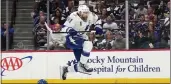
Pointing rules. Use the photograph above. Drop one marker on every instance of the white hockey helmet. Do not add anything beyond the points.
(83, 8)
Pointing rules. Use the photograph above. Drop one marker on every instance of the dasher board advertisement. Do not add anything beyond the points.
(108, 67)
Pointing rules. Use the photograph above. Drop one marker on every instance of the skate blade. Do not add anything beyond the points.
(88, 73)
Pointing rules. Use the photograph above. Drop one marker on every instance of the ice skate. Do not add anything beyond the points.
(64, 72)
(83, 68)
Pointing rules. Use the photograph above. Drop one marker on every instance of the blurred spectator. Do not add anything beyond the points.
(41, 23)
(158, 7)
(103, 4)
(157, 30)
(35, 11)
(40, 5)
(92, 3)
(69, 9)
(98, 9)
(104, 15)
(150, 15)
(109, 24)
(58, 4)
(167, 16)
(56, 37)
(92, 38)
(108, 41)
(37, 17)
(57, 17)
(161, 37)
(161, 9)
(119, 42)
(3, 36)
(167, 9)
(165, 38)
(143, 40)
(146, 28)
(76, 3)
(55, 5)
(142, 25)
(141, 10)
(168, 5)
(40, 33)
(56, 27)
(80, 2)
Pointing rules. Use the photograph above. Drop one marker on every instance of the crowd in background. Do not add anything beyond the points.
(4, 32)
(146, 22)
(10, 28)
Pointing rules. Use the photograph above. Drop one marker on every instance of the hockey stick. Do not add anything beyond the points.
(49, 29)
(77, 31)
(51, 34)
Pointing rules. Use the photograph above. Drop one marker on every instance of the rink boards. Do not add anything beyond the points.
(114, 80)
(108, 67)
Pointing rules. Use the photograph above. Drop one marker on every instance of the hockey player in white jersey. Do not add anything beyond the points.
(80, 20)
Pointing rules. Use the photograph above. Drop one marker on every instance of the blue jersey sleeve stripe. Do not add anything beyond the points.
(67, 30)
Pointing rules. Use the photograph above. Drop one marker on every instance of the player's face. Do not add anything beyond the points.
(85, 15)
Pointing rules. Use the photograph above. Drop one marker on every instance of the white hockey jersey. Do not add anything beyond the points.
(75, 22)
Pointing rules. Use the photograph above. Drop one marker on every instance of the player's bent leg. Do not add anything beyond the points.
(87, 47)
(74, 67)
(77, 54)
